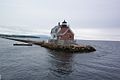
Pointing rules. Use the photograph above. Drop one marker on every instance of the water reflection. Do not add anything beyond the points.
(61, 63)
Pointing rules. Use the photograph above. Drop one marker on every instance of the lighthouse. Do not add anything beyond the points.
(62, 34)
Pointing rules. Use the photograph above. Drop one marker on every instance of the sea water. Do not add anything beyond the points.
(38, 63)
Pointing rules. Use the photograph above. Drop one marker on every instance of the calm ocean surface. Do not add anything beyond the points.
(37, 63)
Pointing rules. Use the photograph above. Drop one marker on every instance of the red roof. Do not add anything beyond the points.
(64, 30)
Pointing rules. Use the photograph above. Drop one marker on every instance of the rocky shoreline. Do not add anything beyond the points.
(70, 48)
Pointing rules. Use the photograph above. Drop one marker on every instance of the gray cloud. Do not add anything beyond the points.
(35, 15)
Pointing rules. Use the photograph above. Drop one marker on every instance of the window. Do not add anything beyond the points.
(53, 36)
(69, 36)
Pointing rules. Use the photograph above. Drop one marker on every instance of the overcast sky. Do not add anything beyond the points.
(89, 19)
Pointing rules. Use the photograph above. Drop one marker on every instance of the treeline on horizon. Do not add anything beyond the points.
(21, 36)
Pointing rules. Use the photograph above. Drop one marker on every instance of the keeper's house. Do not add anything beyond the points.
(62, 34)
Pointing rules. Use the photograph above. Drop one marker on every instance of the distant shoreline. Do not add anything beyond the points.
(18, 36)
(45, 36)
